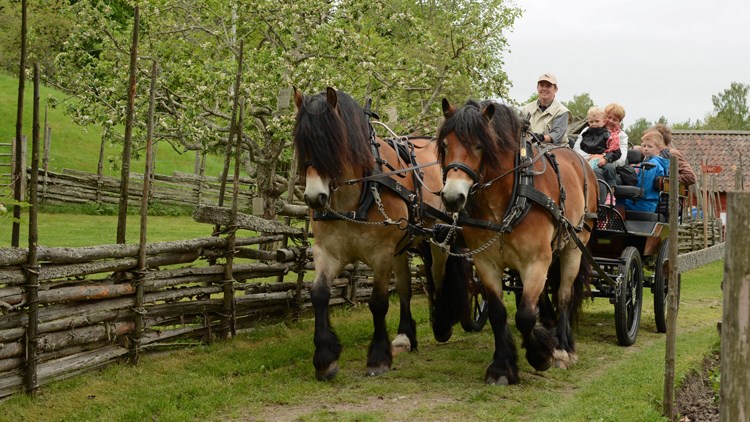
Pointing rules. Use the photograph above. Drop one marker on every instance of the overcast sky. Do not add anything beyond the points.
(656, 58)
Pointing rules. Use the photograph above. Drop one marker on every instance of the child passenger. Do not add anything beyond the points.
(599, 146)
(651, 144)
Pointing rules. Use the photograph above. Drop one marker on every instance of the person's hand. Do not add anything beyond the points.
(602, 162)
(538, 136)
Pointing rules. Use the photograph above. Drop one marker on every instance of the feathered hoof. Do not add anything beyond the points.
(375, 371)
(539, 362)
(564, 360)
(502, 381)
(400, 344)
(328, 373)
(494, 375)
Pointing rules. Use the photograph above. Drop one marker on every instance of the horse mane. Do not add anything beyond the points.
(329, 138)
(470, 126)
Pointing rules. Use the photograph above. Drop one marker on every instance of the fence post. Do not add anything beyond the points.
(135, 346)
(32, 268)
(735, 329)
(672, 299)
(19, 171)
(122, 211)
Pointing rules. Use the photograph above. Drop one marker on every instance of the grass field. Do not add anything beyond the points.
(77, 147)
(267, 374)
(57, 230)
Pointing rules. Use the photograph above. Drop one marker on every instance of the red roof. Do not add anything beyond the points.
(727, 149)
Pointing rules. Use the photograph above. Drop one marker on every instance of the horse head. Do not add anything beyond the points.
(463, 140)
(331, 141)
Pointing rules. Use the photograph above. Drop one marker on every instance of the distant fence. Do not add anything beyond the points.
(72, 186)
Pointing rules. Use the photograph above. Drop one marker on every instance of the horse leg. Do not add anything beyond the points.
(406, 340)
(570, 294)
(443, 312)
(538, 340)
(327, 344)
(379, 356)
(504, 367)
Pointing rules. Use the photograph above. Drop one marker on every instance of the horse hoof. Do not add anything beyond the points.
(561, 359)
(377, 371)
(573, 358)
(442, 337)
(502, 381)
(400, 344)
(328, 373)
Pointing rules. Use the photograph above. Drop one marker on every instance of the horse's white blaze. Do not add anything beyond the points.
(315, 186)
(455, 192)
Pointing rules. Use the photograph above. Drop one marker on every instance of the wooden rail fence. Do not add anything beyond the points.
(72, 186)
(86, 296)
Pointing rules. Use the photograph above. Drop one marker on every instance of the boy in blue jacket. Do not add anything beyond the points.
(654, 152)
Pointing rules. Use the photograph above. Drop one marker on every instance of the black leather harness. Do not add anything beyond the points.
(524, 193)
(377, 178)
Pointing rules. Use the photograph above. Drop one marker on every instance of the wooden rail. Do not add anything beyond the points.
(86, 296)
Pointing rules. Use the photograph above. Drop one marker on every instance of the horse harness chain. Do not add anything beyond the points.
(417, 209)
(523, 192)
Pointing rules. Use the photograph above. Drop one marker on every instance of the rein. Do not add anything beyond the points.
(377, 176)
(525, 163)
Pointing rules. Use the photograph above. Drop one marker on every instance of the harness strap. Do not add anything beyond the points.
(366, 200)
(591, 260)
(463, 167)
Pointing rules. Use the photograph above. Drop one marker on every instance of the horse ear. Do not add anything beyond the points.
(298, 97)
(448, 108)
(331, 97)
(489, 111)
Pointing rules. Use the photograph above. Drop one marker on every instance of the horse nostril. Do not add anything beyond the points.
(323, 199)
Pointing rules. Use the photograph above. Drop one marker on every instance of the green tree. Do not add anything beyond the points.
(579, 105)
(730, 108)
(48, 27)
(716, 122)
(405, 55)
(635, 130)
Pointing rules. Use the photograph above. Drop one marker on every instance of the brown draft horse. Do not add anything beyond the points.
(344, 163)
(479, 151)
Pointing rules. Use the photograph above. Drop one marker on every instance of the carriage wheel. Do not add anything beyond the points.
(478, 310)
(628, 298)
(661, 287)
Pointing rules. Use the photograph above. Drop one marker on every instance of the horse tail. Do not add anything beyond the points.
(449, 300)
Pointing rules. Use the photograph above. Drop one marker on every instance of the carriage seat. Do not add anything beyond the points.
(645, 216)
(634, 157)
(627, 192)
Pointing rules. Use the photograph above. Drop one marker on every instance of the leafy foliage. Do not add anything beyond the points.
(731, 107)
(579, 105)
(49, 25)
(635, 130)
(405, 55)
